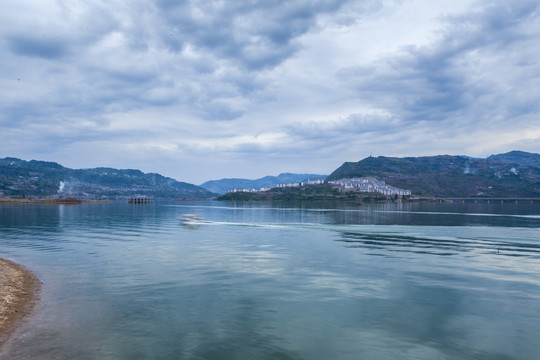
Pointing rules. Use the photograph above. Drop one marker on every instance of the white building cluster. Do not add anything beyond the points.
(236, 190)
(298, 184)
(264, 189)
(368, 184)
(288, 185)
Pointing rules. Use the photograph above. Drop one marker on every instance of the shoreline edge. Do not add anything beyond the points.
(19, 295)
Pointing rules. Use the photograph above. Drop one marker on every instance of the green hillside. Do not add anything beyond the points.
(41, 178)
(517, 157)
(452, 176)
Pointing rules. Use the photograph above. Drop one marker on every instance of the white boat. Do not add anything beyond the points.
(192, 220)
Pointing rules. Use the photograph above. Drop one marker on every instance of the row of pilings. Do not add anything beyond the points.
(141, 200)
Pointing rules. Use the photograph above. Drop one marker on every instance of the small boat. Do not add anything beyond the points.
(191, 220)
(190, 217)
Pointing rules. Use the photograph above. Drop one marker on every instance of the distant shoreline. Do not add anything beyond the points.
(66, 201)
(360, 198)
(19, 293)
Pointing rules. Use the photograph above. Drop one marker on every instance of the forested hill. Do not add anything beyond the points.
(517, 157)
(514, 174)
(40, 178)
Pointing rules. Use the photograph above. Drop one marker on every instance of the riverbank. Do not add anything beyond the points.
(64, 201)
(19, 292)
(320, 192)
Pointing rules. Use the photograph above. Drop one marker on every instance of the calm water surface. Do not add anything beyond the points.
(413, 281)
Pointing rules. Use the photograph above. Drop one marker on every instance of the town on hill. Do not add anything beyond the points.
(515, 174)
(511, 175)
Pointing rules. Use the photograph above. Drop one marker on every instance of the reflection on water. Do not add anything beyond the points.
(389, 243)
(381, 281)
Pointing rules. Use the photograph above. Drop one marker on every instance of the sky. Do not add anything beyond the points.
(203, 90)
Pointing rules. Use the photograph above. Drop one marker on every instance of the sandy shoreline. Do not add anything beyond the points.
(19, 292)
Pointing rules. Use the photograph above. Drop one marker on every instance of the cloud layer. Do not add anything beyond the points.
(203, 90)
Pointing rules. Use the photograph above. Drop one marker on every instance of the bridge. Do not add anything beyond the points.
(489, 200)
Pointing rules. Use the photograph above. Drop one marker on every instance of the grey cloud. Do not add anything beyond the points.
(215, 110)
(253, 34)
(65, 34)
(446, 78)
(214, 51)
(312, 140)
(17, 115)
(340, 129)
(38, 46)
(185, 61)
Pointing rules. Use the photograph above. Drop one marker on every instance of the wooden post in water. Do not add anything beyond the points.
(140, 200)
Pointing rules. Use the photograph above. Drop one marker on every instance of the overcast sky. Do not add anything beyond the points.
(201, 90)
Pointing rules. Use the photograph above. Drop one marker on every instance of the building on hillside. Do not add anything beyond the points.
(288, 185)
(236, 190)
(368, 184)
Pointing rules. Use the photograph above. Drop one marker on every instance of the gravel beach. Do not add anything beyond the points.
(19, 290)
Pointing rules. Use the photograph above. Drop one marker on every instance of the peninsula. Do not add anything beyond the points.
(513, 175)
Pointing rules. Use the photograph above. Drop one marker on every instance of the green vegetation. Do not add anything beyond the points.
(521, 158)
(512, 175)
(42, 179)
(323, 192)
(451, 176)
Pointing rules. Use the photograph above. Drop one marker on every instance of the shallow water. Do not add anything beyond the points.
(387, 281)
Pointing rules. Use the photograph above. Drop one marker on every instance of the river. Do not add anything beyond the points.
(287, 281)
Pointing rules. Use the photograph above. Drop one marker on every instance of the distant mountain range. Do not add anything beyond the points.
(224, 185)
(513, 174)
(40, 178)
